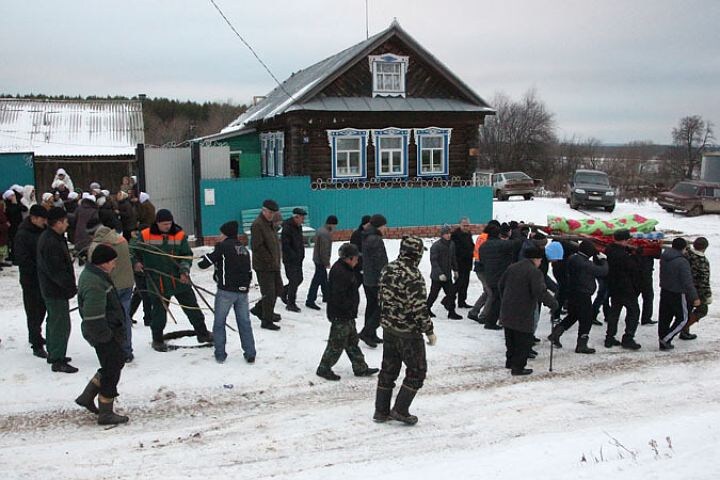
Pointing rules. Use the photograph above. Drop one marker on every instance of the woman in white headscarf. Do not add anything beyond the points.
(62, 176)
(28, 199)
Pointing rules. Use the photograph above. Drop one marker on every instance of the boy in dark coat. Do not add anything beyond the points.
(232, 275)
(343, 300)
(521, 287)
(444, 267)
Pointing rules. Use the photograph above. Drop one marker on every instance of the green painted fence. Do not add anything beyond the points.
(403, 207)
(16, 168)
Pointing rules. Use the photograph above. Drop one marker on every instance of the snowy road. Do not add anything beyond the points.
(281, 421)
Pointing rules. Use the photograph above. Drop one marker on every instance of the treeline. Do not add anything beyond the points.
(523, 136)
(169, 121)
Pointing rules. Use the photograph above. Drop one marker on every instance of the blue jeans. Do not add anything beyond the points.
(125, 295)
(224, 300)
(319, 280)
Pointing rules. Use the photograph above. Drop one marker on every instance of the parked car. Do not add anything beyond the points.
(693, 197)
(507, 184)
(590, 188)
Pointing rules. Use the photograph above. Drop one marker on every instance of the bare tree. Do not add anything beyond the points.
(690, 139)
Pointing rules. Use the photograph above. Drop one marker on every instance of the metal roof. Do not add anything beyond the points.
(71, 127)
(297, 92)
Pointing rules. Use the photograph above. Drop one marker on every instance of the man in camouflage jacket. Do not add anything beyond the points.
(404, 317)
(700, 267)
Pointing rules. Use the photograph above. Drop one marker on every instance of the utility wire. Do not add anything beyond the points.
(251, 49)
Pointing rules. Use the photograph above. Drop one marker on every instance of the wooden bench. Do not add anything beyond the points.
(249, 216)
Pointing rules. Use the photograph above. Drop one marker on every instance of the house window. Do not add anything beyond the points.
(432, 151)
(348, 153)
(388, 73)
(391, 152)
(272, 153)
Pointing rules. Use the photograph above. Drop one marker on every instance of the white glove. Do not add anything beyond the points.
(708, 301)
(600, 256)
(456, 275)
(432, 339)
(442, 277)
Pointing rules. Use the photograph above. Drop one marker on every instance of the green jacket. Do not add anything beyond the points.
(100, 308)
(150, 247)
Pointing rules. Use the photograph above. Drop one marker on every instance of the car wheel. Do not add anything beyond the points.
(528, 196)
(610, 209)
(695, 211)
(668, 209)
(573, 203)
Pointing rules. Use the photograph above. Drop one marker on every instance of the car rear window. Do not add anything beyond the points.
(516, 176)
(684, 188)
(592, 179)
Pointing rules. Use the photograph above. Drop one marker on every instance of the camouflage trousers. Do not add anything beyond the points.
(398, 350)
(343, 338)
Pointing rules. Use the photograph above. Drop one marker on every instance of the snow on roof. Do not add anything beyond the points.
(71, 127)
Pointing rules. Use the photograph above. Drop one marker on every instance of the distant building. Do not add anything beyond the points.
(94, 140)
(382, 109)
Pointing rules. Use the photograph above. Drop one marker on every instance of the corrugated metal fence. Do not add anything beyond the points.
(403, 207)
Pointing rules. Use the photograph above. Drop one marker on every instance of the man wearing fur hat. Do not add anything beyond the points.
(103, 326)
(443, 269)
(162, 252)
(266, 263)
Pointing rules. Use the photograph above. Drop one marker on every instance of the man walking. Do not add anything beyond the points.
(57, 285)
(443, 264)
(266, 263)
(232, 275)
(103, 326)
(26, 241)
(464, 246)
(700, 267)
(321, 258)
(405, 319)
(677, 292)
(623, 281)
(374, 259)
(293, 254)
(162, 252)
(343, 299)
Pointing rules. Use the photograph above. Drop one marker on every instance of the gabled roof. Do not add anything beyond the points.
(71, 127)
(297, 92)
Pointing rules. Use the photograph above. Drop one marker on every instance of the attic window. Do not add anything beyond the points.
(388, 73)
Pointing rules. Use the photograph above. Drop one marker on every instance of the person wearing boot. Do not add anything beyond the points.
(374, 259)
(266, 258)
(647, 288)
(342, 307)
(700, 268)
(163, 253)
(677, 292)
(405, 319)
(443, 263)
(321, 258)
(57, 286)
(464, 249)
(232, 275)
(293, 254)
(521, 287)
(582, 282)
(623, 280)
(103, 326)
(26, 241)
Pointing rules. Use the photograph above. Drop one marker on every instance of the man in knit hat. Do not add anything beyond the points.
(103, 326)
(266, 258)
(321, 258)
(232, 275)
(163, 253)
(293, 254)
(624, 280)
(57, 285)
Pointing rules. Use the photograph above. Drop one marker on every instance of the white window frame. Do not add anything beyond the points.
(272, 153)
(348, 133)
(388, 58)
(422, 134)
(391, 132)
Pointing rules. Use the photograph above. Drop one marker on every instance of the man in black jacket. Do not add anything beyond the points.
(624, 278)
(356, 239)
(677, 292)
(464, 246)
(521, 287)
(374, 259)
(496, 256)
(343, 300)
(293, 254)
(232, 275)
(26, 241)
(582, 275)
(57, 285)
(443, 269)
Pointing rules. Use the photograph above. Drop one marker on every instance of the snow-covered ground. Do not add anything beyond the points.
(619, 414)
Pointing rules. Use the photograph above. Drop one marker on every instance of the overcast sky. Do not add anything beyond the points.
(616, 70)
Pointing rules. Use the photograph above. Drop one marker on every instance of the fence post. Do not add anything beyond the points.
(197, 178)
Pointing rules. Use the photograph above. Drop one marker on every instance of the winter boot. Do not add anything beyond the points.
(63, 367)
(452, 315)
(402, 404)
(107, 416)
(557, 332)
(327, 374)
(269, 325)
(87, 397)
(159, 346)
(40, 352)
(205, 337)
(687, 336)
(611, 342)
(629, 343)
(291, 307)
(582, 345)
(367, 372)
(383, 396)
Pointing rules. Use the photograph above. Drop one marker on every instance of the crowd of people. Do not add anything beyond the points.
(134, 255)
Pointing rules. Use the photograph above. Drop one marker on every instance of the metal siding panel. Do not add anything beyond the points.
(215, 162)
(169, 182)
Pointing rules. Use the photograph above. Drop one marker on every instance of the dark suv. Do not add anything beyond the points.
(590, 188)
(693, 197)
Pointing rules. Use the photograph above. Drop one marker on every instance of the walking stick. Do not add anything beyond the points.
(553, 324)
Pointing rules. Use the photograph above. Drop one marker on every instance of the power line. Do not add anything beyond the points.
(250, 48)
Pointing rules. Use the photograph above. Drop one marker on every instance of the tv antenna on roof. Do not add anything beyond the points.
(367, 22)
